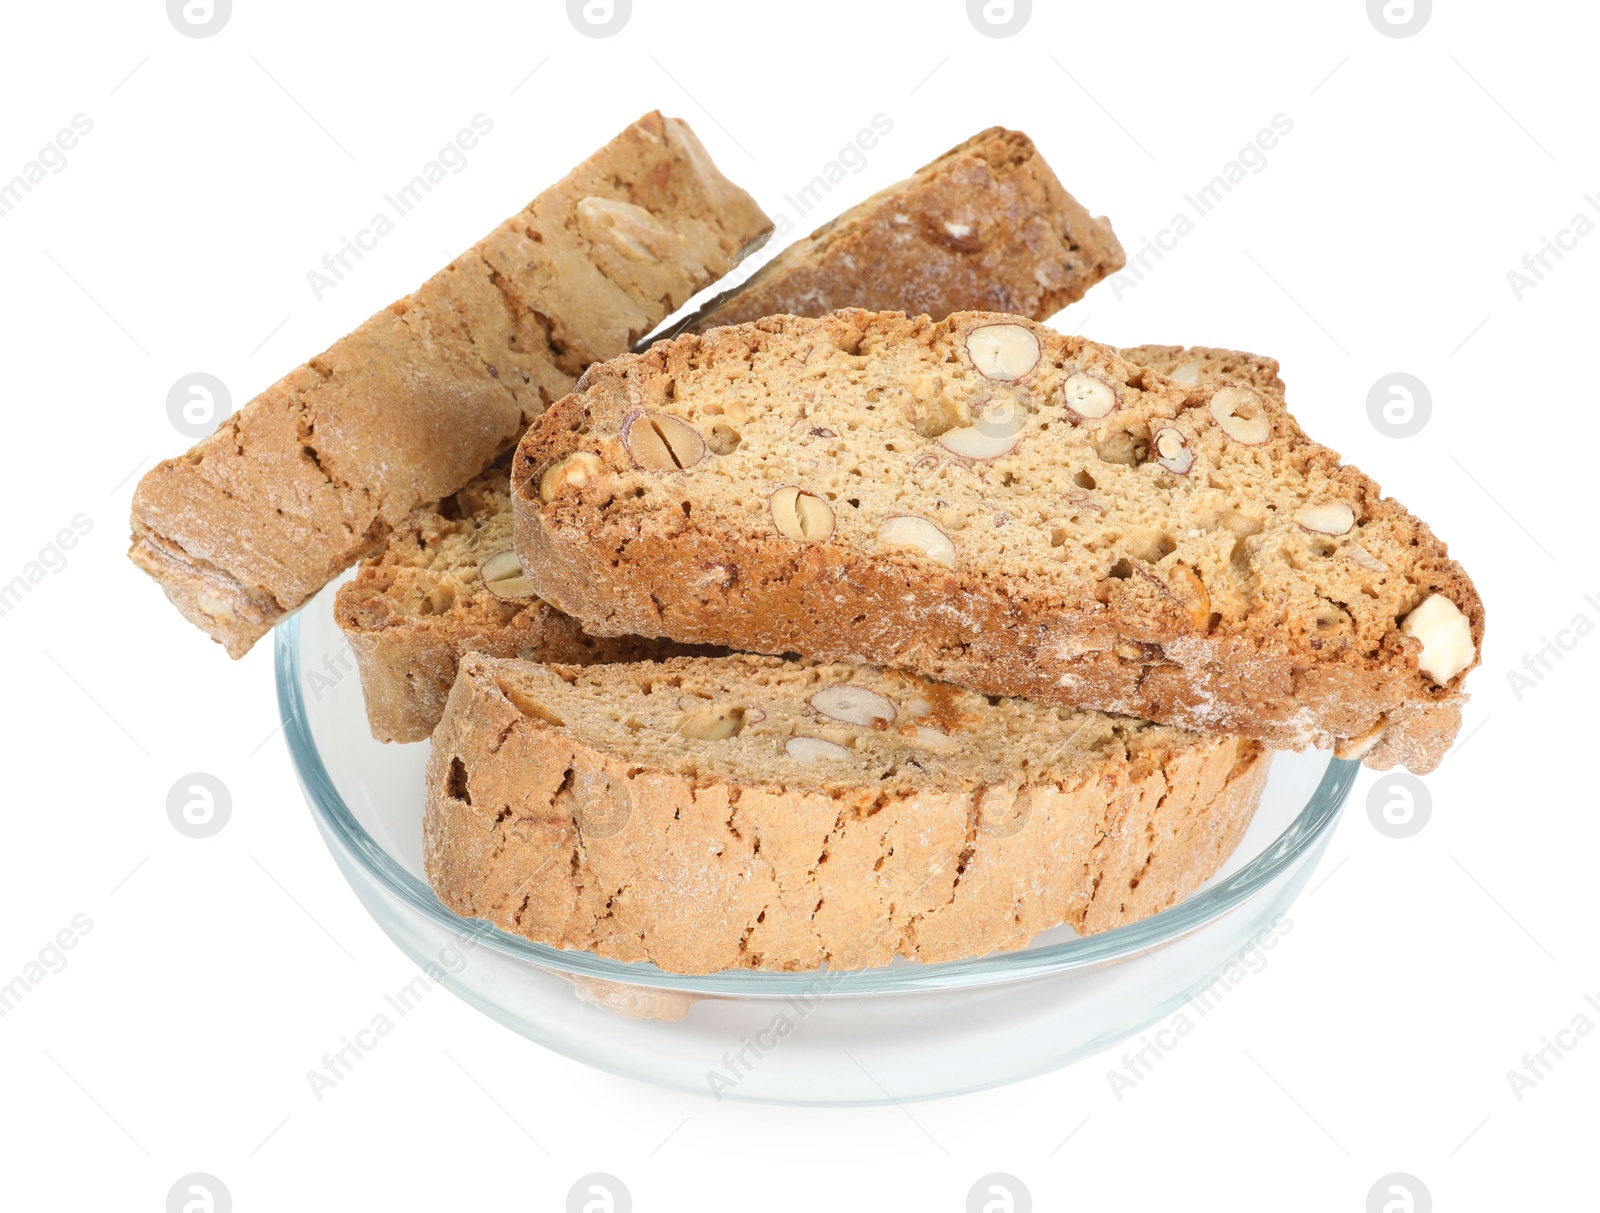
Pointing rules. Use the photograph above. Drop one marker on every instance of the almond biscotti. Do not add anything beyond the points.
(985, 227)
(751, 812)
(313, 473)
(447, 584)
(419, 604)
(985, 501)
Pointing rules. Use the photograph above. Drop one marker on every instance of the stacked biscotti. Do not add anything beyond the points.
(445, 584)
(315, 472)
(985, 225)
(1134, 558)
(985, 501)
(861, 616)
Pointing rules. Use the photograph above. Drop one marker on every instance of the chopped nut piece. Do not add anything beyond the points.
(996, 432)
(1172, 451)
(935, 739)
(724, 439)
(1089, 397)
(573, 472)
(1334, 519)
(1241, 414)
(715, 723)
(660, 442)
(814, 749)
(1365, 559)
(1446, 636)
(919, 534)
(801, 516)
(503, 577)
(853, 705)
(1003, 351)
(1123, 447)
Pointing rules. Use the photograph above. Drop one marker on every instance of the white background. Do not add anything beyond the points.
(1378, 238)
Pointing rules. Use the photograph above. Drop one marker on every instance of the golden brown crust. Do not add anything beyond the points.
(641, 553)
(985, 227)
(705, 872)
(310, 475)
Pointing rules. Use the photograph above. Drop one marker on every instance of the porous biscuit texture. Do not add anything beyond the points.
(312, 474)
(987, 502)
(425, 601)
(416, 607)
(1200, 364)
(985, 227)
(750, 812)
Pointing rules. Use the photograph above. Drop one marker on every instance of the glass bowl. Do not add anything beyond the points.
(901, 1031)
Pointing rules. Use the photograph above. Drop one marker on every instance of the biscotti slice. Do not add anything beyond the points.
(420, 603)
(1200, 364)
(985, 227)
(313, 473)
(447, 584)
(990, 503)
(752, 812)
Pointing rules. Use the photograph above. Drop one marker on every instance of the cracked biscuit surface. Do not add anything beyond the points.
(985, 227)
(752, 812)
(311, 475)
(985, 501)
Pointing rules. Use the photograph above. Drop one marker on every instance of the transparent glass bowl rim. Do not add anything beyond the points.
(1313, 821)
